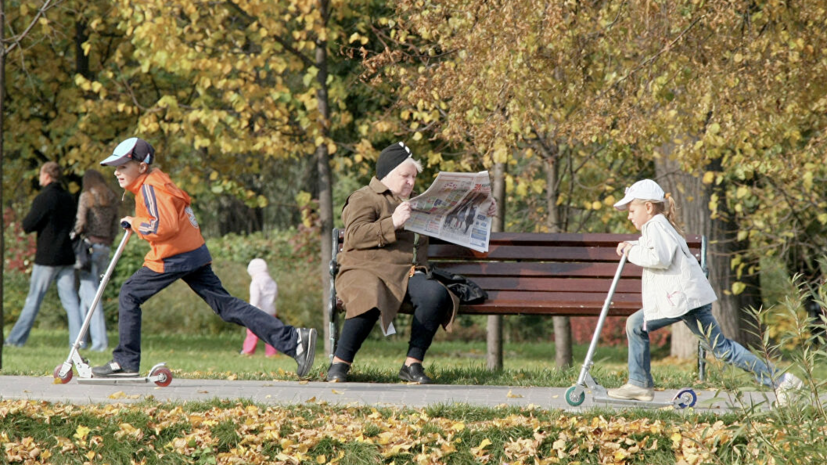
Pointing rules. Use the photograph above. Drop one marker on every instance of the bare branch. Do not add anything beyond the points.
(19, 37)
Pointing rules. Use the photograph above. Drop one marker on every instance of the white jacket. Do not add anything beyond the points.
(673, 282)
(263, 290)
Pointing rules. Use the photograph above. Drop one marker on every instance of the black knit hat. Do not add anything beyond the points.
(390, 158)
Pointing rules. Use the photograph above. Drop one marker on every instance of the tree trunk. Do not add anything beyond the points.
(494, 356)
(692, 198)
(81, 60)
(562, 324)
(2, 219)
(323, 169)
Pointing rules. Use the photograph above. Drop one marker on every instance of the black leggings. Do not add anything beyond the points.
(431, 303)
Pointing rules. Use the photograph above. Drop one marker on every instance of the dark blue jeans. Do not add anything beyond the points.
(145, 283)
(701, 322)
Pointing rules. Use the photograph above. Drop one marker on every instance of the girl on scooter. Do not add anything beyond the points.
(675, 289)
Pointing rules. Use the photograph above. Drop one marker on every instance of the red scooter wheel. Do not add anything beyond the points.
(165, 376)
(62, 379)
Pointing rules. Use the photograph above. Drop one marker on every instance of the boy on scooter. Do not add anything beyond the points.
(165, 219)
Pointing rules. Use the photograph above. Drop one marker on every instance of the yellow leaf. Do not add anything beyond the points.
(321, 459)
(82, 432)
(458, 426)
(86, 46)
(500, 155)
(709, 176)
(738, 287)
(335, 391)
(513, 396)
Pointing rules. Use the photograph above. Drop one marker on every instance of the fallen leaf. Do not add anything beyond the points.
(82, 432)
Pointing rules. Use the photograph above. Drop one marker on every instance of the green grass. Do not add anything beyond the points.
(449, 362)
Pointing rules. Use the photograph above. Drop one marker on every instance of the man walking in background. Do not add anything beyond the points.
(52, 217)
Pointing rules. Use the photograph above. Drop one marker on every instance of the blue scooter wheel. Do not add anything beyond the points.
(573, 397)
(686, 398)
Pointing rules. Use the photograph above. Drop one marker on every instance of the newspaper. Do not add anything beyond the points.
(455, 209)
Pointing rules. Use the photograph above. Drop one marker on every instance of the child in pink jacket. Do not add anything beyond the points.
(263, 294)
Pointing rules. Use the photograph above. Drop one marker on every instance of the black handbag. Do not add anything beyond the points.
(83, 252)
(468, 291)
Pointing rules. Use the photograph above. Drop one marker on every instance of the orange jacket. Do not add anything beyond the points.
(163, 218)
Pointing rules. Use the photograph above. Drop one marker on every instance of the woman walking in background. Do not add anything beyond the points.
(97, 219)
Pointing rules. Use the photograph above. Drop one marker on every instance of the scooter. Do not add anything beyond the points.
(159, 374)
(576, 394)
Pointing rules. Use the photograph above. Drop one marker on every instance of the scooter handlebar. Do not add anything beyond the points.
(126, 225)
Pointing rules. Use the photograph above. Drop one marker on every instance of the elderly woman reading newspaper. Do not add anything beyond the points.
(383, 266)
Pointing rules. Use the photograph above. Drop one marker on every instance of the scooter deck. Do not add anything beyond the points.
(633, 403)
(125, 380)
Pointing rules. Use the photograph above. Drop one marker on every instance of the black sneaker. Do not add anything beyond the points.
(337, 373)
(305, 351)
(112, 370)
(414, 374)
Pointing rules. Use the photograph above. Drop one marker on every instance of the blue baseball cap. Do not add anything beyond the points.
(133, 148)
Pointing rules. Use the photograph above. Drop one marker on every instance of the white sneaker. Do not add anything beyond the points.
(631, 392)
(787, 388)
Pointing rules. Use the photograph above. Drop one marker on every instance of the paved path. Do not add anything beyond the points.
(293, 392)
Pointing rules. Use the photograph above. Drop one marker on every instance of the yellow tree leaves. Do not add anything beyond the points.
(734, 83)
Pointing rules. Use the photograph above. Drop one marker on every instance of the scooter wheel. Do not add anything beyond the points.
(574, 396)
(164, 376)
(686, 398)
(62, 379)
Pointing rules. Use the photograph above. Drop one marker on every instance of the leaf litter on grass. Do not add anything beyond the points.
(317, 432)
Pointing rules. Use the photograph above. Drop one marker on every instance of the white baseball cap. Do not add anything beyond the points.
(133, 148)
(641, 190)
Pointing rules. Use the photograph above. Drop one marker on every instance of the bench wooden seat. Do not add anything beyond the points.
(538, 274)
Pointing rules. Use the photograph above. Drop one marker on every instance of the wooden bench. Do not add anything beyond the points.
(537, 274)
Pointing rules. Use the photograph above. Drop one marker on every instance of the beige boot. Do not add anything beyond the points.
(632, 392)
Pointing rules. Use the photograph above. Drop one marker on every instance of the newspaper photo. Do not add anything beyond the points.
(455, 209)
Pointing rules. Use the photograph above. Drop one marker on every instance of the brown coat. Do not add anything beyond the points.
(375, 262)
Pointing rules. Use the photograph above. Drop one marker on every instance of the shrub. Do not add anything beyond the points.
(804, 420)
(20, 247)
(613, 333)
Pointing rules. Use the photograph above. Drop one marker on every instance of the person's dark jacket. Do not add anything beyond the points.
(52, 216)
